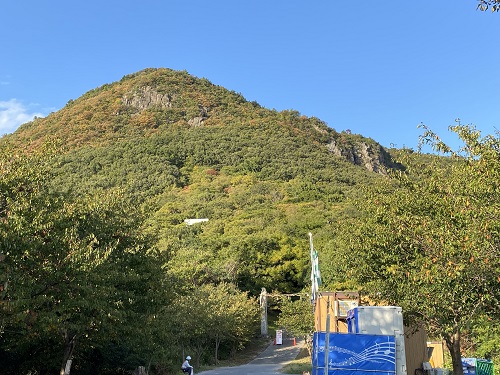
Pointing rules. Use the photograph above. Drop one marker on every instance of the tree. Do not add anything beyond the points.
(486, 343)
(215, 315)
(297, 317)
(427, 239)
(71, 270)
(484, 5)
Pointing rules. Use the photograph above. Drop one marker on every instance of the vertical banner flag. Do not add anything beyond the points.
(315, 275)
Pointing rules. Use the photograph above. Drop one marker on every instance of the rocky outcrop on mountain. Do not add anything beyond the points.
(369, 155)
(147, 97)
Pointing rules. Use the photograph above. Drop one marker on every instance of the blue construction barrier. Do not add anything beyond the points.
(353, 354)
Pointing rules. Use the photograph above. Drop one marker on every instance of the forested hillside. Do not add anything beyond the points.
(181, 147)
(171, 147)
(169, 118)
(97, 262)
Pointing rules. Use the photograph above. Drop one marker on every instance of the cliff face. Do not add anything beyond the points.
(147, 97)
(371, 156)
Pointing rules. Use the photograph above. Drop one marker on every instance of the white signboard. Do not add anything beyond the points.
(279, 337)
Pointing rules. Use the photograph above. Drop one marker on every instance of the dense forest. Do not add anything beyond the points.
(98, 265)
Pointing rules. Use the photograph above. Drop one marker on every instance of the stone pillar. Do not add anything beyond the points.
(141, 370)
(263, 312)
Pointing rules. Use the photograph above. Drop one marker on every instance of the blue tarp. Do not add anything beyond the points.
(354, 354)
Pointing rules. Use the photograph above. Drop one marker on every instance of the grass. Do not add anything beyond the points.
(301, 364)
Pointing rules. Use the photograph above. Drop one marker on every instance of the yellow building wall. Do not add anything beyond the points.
(437, 356)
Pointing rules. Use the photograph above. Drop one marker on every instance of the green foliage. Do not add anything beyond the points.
(427, 239)
(73, 273)
(297, 318)
(212, 320)
(86, 229)
(483, 341)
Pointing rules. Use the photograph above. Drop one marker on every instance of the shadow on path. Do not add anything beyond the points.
(269, 362)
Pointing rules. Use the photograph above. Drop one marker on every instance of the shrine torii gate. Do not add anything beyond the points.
(263, 307)
(327, 304)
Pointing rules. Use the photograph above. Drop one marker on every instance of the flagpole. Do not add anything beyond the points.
(315, 280)
(313, 289)
(315, 274)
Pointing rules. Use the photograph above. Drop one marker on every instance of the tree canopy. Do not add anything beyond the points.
(427, 239)
(71, 270)
(493, 5)
(82, 280)
(95, 253)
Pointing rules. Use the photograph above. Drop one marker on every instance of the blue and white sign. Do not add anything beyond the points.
(355, 353)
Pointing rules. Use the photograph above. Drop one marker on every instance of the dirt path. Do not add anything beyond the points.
(269, 362)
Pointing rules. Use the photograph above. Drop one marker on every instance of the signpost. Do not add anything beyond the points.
(279, 337)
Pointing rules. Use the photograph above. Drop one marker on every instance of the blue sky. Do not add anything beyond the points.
(375, 68)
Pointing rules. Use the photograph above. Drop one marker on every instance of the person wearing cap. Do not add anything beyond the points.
(186, 367)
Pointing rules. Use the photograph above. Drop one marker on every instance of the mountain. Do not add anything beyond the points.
(147, 103)
(129, 273)
(182, 147)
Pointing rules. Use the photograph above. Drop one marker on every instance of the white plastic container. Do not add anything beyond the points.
(381, 320)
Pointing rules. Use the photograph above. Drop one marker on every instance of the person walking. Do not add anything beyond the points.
(186, 367)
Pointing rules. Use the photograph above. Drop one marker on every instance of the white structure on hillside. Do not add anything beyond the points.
(194, 221)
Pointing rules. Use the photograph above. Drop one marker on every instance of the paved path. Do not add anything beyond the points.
(269, 362)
